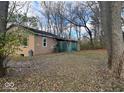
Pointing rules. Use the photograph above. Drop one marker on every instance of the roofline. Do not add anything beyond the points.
(30, 29)
(62, 39)
(54, 36)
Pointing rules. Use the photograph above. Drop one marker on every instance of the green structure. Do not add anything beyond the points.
(66, 45)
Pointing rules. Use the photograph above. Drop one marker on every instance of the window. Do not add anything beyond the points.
(22, 55)
(25, 42)
(44, 42)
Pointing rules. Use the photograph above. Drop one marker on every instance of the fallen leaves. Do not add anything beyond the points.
(78, 71)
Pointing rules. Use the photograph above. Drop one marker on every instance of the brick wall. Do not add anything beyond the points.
(30, 46)
(39, 49)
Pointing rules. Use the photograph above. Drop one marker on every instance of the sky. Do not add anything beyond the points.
(36, 10)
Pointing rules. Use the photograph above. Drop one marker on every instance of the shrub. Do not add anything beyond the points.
(87, 46)
(9, 44)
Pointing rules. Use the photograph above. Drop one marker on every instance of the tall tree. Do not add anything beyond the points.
(98, 34)
(3, 15)
(80, 17)
(111, 25)
(3, 23)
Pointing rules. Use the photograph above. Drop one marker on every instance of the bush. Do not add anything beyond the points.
(9, 44)
(88, 46)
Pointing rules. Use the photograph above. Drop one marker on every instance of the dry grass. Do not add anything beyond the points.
(77, 71)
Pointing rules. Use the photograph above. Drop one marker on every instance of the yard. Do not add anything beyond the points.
(77, 71)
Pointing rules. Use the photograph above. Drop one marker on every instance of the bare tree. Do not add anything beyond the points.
(17, 12)
(77, 14)
(54, 21)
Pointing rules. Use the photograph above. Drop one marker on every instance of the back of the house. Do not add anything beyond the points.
(36, 42)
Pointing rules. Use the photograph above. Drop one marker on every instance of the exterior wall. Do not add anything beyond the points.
(26, 49)
(66, 46)
(35, 44)
(39, 49)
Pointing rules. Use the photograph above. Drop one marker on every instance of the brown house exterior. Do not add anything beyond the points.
(37, 41)
(39, 48)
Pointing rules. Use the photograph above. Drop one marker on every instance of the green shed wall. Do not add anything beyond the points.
(66, 46)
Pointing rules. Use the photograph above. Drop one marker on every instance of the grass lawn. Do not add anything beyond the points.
(78, 71)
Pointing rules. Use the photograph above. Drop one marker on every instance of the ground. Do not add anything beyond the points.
(78, 71)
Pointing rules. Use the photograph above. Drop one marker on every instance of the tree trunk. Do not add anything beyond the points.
(117, 39)
(111, 25)
(101, 32)
(3, 15)
(79, 39)
(78, 45)
(3, 23)
(3, 69)
(91, 37)
(91, 41)
(106, 27)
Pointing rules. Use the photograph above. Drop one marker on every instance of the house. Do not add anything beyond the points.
(41, 42)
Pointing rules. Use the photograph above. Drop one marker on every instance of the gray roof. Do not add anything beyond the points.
(40, 32)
